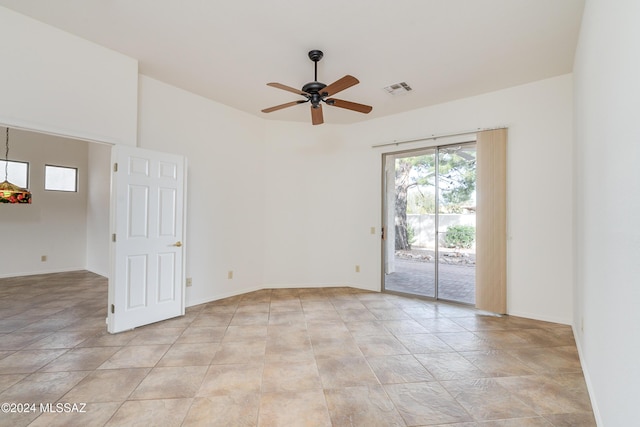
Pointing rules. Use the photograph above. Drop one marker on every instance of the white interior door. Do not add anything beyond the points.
(146, 283)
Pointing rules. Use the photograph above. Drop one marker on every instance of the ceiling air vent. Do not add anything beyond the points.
(398, 88)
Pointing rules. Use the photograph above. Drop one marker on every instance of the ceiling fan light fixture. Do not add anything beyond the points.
(11, 193)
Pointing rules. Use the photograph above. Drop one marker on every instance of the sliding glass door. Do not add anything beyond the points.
(429, 220)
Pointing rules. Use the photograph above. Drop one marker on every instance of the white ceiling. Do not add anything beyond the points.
(228, 50)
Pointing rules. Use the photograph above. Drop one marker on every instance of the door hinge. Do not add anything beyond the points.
(115, 167)
(113, 237)
(113, 308)
(382, 232)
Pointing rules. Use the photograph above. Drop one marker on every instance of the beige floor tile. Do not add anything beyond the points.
(289, 350)
(25, 361)
(549, 360)
(157, 335)
(339, 344)
(356, 315)
(245, 333)
(202, 334)
(423, 343)
(464, 341)
(80, 359)
(389, 314)
(484, 323)
(449, 366)
(7, 380)
(19, 340)
(166, 413)
(582, 419)
(170, 382)
(234, 352)
(18, 419)
(106, 339)
(307, 408)
(285, 305)
(109, 385)
(290, 376)
(61, 340)
(233, 409)
(426, 403)
(190, 354)
(486, 399)
(508, 339)
(440, 325)
(345, 372)
(362, 406)
(547, 395)
(519, 422)
(136, 356)
(399, 369)
(383, 344)
(222, 379)
(42, 387)
(216, 319)
(248, 319)
(497, 363)
(287, 318)
(95, 414)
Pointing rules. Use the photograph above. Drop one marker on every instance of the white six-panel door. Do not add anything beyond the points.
(146, 284)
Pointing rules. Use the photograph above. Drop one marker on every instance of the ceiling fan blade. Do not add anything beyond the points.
(316, 115)
(287, 88)
(360, 108)
(281, 106)
(340, 85)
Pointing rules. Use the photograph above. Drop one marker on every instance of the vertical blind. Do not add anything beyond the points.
(491, 221)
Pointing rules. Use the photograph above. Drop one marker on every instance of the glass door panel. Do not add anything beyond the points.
(456, 182)
(410, 245)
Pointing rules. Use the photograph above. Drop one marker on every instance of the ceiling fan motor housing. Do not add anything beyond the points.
(313, 87)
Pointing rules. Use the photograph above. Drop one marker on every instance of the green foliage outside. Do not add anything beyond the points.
(460, 236)
(415, 186)
(411, 235)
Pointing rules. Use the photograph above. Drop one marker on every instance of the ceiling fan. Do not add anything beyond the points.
(316, 92)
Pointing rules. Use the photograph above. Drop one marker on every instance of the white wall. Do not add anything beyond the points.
(607, 202)
(98, 207)
(326, 181)
(55, 82)
(322, 197)
(226, 169)
(54, 224)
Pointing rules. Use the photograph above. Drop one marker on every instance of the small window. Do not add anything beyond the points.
(17, 173)
(60, 178)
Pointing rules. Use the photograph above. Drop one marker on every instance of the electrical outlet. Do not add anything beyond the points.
(230, 274)
(43, 258)
(189, 281)
(357, 269)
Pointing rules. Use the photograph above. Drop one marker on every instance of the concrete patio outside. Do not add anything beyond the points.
(457, 281)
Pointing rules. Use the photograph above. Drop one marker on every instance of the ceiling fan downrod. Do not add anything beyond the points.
(315, 55)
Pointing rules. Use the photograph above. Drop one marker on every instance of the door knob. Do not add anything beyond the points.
(178, 244)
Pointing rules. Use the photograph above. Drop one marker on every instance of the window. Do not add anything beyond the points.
(60, 178)
(17, 172)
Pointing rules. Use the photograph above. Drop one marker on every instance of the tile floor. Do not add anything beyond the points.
(286, 357)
